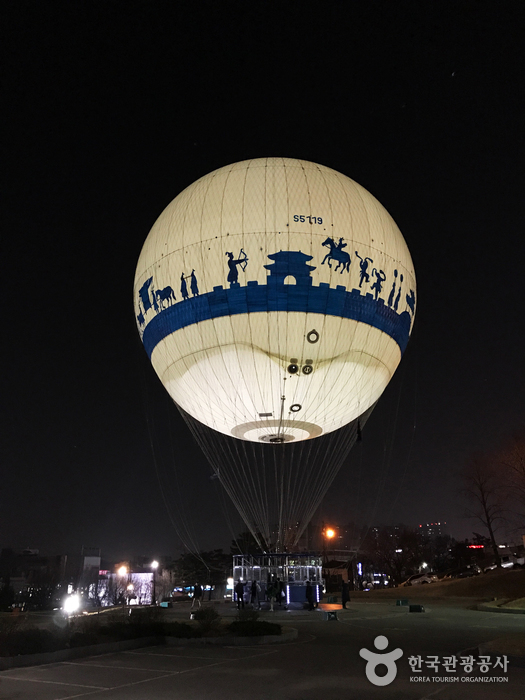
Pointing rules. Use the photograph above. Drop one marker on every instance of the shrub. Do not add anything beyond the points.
(144, 616)
(31, 641)
(247, 615)
(206, 615)
(208, 621)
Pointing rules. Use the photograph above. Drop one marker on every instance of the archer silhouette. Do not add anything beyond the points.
(233, 274)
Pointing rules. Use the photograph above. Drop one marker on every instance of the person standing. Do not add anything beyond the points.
(271, 592)
(239, 594)
(197, 595)
(345, 594)
(310, 595)
(280, 592)
(254, 598)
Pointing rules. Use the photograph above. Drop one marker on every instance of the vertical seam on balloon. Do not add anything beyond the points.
(199, 328)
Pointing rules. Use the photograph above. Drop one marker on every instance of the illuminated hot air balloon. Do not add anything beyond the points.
(275, 298)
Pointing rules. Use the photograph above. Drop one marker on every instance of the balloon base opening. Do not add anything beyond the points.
(277, 439)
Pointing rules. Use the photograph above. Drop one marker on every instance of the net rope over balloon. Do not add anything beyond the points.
(276, 488)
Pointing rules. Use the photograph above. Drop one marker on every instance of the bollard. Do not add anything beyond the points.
(330, 615)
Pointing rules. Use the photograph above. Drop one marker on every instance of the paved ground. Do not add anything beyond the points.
(323, 664)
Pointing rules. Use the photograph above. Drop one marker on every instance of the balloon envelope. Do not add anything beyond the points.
(275, 298)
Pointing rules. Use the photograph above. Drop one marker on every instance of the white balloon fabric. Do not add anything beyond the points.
(275, 298)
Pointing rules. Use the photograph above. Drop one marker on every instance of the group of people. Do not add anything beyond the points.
(274, 593)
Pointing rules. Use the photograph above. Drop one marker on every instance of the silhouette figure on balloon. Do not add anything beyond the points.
(336, 253)
(165, 295)
(363, 266)
(393, 290)
(411, 300)
(144, 294)
(396, 303)
(183, 287)
(193, 284)
(233, 274)
(378, 284)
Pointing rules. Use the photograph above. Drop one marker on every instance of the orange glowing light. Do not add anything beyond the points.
(329, 533)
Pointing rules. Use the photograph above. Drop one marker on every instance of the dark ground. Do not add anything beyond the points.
(324, 662)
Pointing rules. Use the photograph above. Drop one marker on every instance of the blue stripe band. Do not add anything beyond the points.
(256, 298)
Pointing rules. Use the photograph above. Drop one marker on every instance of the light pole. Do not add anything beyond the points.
(328, 534)
(122, 571)
(154, 567)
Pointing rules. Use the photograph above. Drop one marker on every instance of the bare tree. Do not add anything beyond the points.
(484, 487)
(512, 464)
(395, 550)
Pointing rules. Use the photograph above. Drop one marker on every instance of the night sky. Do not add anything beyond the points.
(110, 109)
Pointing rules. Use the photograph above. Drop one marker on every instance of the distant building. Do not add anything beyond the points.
(134, 588)
(431, 530)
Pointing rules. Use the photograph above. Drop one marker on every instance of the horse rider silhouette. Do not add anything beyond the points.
(342, 257)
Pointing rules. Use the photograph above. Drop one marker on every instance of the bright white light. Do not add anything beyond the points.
(398, 551)
(71, 604)
(424, 565)
(123, 570)
(229, 583)
(154, 564)
(501, 546)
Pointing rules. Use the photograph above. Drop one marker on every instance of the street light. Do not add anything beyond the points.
(122, 571)
(154, 565)
(71, 604)
(328, 534)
